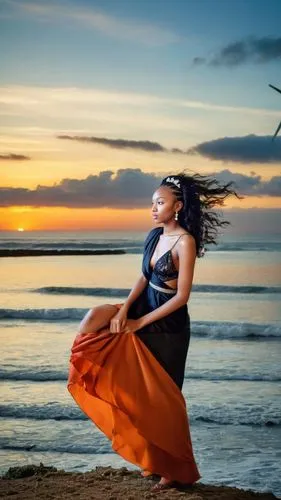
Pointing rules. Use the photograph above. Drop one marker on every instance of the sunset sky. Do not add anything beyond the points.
(99, 99)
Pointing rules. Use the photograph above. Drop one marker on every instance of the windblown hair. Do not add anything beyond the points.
(200, 194)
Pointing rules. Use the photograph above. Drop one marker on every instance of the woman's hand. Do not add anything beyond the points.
(118, 322)
(132, 325)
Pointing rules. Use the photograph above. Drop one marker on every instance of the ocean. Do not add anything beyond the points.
(233, 371)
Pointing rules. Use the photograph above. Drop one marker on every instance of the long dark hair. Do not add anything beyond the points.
(200, 194)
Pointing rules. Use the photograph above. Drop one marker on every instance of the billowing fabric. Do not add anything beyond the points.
(129, 385)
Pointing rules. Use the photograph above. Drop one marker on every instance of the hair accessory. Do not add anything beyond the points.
(173, 181)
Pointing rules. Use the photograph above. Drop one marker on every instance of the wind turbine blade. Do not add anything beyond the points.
(275, 88)
(278, 128)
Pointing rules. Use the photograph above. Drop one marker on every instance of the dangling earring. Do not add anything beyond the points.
(176, 216)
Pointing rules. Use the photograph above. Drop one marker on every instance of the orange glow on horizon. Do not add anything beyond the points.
(74, 219)
(102, 219)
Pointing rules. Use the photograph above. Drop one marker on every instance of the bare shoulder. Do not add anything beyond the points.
(186, 240)
(187, 243)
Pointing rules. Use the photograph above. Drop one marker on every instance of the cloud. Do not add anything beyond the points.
(117, 143)
(252, 184)
(256, 50)
(14, 157)
(247, 149)
(100, 21)
(126, 189)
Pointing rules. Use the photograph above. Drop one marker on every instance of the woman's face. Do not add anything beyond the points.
(164, 205)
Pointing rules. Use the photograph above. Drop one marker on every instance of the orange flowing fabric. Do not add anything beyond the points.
(123, 389)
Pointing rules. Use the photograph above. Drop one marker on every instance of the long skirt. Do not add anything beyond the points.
(131, 390)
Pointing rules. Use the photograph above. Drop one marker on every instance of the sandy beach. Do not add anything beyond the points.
(41, 482)
(231, 383)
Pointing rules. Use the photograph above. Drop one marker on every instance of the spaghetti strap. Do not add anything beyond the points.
(177, 241)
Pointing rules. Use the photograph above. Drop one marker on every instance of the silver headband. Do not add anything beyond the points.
(174, 181)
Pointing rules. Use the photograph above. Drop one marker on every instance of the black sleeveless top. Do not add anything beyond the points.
(164, 268)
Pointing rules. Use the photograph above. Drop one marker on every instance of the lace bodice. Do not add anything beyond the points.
(165, 267)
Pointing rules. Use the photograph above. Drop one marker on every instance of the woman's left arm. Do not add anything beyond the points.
(187, 257)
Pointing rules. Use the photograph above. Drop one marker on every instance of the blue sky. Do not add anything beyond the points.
(143, 46)
(185, 74)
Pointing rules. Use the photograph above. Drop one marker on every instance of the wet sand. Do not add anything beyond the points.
(41, 482)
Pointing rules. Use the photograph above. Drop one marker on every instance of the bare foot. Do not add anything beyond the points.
(163, 484)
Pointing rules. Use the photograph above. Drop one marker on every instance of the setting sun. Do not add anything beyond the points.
(20, 229)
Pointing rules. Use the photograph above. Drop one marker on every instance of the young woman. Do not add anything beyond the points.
(128, 360)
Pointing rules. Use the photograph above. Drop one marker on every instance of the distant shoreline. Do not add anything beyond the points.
(22, 252)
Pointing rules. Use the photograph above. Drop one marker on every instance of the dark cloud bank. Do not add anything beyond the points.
(128, 188)
(132, 188)
(256, 50)
(248, 149)
(117, 143)
(13, 157)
